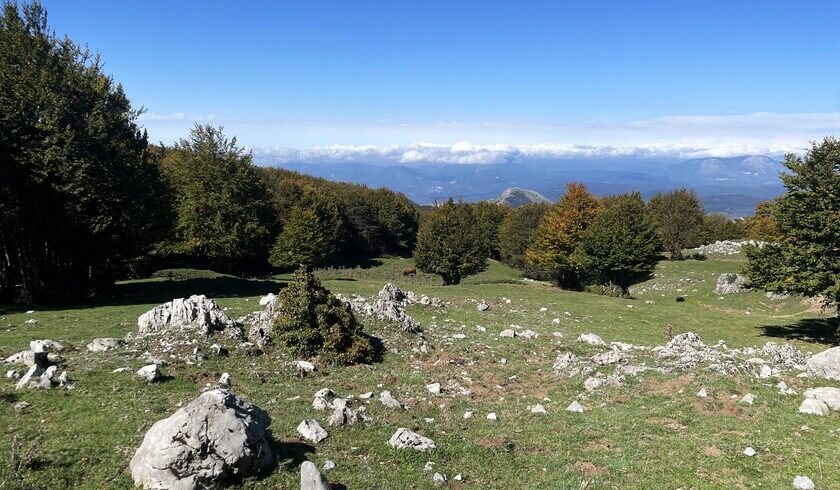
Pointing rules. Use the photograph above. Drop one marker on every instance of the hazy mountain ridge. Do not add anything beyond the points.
(516, 197)
(727, 185)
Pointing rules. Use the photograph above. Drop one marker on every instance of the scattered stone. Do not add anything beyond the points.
(538, 408)
(605, 358)
(468, 414)
(311, 478)
(303, 367)
(344, 415)
(483, 305)
(439, 478)
(591, 339)
(310, 429)
(749, 452)
(730, 283)
(216, 436)
(407, 439)
(825, 364)
(434, 388)
(329, 465)
(492, 416)
(366, 396)
(566, 364)
(224, 380)
(268, 299)
(389, 401)
(702, 393)
(747, 399)
(803, 483)
(528, 334)
(575, 407)
(197, 313)
(21, 406)
(812, 406)
(104, 344)
(765, 372)
(507, 333)
(150, 373)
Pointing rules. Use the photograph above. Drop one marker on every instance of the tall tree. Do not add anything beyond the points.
(517, 232)
(805, 259)
(718, 227)
(312, 233)
(221, 205)
(561, 231)
(679, 220)
(488, 219)
(622, 244)
(449, 243)
(761, 225)
(77, 196)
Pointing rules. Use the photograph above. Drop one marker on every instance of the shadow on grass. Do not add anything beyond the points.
(156, 291)
(818, 330)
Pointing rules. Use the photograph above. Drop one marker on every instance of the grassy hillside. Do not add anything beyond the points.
(651, 432)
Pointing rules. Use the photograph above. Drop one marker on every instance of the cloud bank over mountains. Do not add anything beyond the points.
(392, 142)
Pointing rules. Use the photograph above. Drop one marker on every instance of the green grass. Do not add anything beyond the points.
(643, 434)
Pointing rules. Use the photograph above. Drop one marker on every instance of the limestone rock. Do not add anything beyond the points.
(730, 283)
(575, 407)
(216, 436)
(803, 483)
(609, 357)
(591, 339)
(150, 373)
(389, 401)
(825, 364)
(406, 439)
(828, 395)
(812, 406)
(104, 344)
(310, 429)
(197, 313)
(507, 333)
(311, 478)
(483, 305)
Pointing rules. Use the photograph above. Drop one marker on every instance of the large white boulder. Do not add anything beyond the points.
(197, 312)
(730, 283)
(406, 439)
(311, 478)
(216, 436)
(825, 364)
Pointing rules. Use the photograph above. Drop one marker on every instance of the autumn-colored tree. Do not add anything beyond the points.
(761, 225)
(561, 231)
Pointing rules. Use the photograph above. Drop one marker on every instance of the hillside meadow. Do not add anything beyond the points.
(652, 431)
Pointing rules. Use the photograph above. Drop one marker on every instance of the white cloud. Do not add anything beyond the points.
(396, 142)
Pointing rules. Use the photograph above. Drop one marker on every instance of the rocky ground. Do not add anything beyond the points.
(497, 383)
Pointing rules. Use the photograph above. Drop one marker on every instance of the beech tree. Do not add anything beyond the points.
(449, 243)
(517, 232)
(679, 220)
(805, 258)
(77, 195)
(560, 232)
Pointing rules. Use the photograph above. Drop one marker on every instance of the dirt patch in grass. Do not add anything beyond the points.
(602, 444)
(666, 388)
(721, 404)
(666, 423)
(712, 452)
(588, 468)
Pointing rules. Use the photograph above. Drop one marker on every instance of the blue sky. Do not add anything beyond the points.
(728, 76)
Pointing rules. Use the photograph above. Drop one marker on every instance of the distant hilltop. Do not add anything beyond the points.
(515, 197)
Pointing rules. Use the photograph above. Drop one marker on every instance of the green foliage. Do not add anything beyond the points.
(717, 227)
(221, 206)
(373, 221)
(77, 196)
(517, 231)
(560, 233)
(488, 219)
(806, 257)
(311, 233)
(449, 243)
(622, 243)
(609, 289)
(679, 220)
(313, 322)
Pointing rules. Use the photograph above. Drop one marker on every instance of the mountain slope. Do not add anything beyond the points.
(515, 197)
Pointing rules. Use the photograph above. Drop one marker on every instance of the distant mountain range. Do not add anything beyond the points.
(732, 186)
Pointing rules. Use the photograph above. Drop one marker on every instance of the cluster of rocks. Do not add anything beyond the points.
(819, 401)
(727, 247)
(197, 313)
(730, 283)
(43, 371)
(262, 322)
(390, 306)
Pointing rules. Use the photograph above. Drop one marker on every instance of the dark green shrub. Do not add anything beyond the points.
(313, 322)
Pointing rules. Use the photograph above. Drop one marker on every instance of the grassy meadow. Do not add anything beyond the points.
(650, 432)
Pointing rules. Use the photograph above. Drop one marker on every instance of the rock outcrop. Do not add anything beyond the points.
(730, 283)
(196, 313)
(825, 364)
(216, 436)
